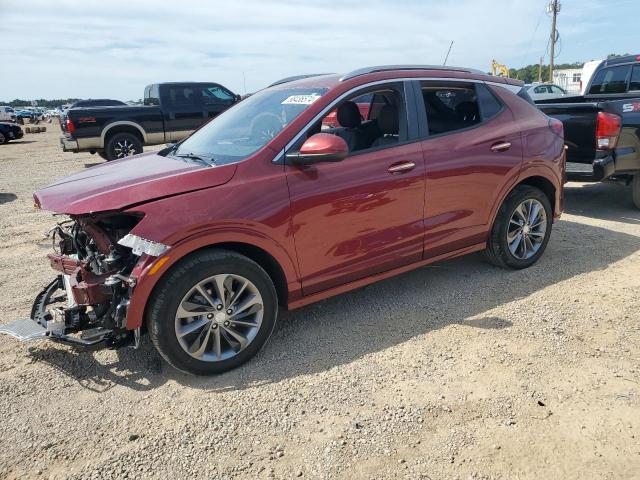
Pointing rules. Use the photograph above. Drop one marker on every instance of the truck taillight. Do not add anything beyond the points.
(70, 126)
(607, 130)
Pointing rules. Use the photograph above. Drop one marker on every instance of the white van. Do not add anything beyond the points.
(7, 114)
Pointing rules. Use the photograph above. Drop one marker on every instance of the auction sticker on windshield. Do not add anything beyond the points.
(301, 99)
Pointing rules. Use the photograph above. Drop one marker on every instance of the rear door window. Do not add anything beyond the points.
(450, 107)
(634, 83)
(181, 96)
(610, 80)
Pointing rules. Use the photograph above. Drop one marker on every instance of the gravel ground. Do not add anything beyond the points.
(458, 370)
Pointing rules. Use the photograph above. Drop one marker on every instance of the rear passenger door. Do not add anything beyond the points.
(472, 150)
(182, 109)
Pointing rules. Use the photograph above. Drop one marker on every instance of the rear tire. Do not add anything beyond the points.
(209, 344)
(517, 241)
(103, 154)
(123, 145)
(3, 139)
(635, 190)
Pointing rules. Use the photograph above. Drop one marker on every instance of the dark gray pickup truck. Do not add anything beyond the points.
(171, 111)
(602, 127)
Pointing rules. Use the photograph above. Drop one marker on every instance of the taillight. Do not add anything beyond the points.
(556, 127)
(607, 130)
(70, 126)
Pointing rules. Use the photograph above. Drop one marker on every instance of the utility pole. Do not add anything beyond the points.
(554, 9)
(540, 70)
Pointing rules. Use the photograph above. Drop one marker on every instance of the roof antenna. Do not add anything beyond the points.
(448, 52)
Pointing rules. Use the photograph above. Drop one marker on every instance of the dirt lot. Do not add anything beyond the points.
(459, 370)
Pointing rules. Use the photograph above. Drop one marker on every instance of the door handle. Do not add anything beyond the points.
(401, 167)
(501, 146)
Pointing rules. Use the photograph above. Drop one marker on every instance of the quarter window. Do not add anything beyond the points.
(489, 104)
(610, 80)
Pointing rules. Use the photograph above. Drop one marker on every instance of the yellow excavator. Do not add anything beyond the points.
(499, 70)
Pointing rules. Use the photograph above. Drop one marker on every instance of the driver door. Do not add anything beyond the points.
(360, 216)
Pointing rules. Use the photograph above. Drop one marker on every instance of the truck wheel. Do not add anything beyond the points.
(103, 154)
(123, 145)
(212, 312)
(521, 230)
(635, 190)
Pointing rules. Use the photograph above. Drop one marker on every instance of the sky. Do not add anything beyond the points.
(113, 48)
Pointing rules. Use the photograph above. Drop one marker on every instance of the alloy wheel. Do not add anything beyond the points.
(527, 229)
(124, 148)
(219, 317)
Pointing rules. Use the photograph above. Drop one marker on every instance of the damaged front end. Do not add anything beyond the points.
(87, 303)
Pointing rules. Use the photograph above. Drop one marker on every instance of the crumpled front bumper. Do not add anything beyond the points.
(47, 324)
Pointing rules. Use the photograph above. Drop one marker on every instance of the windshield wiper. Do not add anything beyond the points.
(206, 161)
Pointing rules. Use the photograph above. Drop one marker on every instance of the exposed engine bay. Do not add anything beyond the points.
(87, 303)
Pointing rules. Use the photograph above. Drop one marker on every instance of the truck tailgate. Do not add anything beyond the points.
(579, 120)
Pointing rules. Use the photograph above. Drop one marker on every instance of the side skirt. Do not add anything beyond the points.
(382, 276)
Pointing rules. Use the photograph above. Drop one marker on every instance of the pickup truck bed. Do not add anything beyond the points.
(602, 128)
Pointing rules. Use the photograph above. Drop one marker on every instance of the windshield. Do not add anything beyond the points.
(248, 126)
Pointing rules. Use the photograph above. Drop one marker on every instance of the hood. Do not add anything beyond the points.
(122, 183)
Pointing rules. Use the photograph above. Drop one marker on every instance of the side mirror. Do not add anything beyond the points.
(321, 147)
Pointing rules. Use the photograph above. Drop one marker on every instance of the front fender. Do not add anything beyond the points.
(149, 270)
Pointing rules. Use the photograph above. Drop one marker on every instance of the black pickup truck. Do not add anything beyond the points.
(602, 127)
(171, 111)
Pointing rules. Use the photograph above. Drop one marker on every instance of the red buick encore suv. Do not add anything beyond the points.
(268, 206)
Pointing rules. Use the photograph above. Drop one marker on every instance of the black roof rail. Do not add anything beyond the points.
(296, 77)
(386, 68)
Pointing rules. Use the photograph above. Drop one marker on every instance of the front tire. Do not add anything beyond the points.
(123, 145)
(212, 312)
(635, 190)
(521, 230)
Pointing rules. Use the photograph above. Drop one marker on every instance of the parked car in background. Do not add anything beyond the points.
(171, 112)
(202, 241)
(25, 115)
(7, 114)
(602, 127)
(92, 102)
(10, 131)
(544, 91)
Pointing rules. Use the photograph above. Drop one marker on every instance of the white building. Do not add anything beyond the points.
(569, 79)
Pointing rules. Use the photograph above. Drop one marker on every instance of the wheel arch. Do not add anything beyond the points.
(280, 270)
(542, 183)
(535, 179)
(122, 126)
